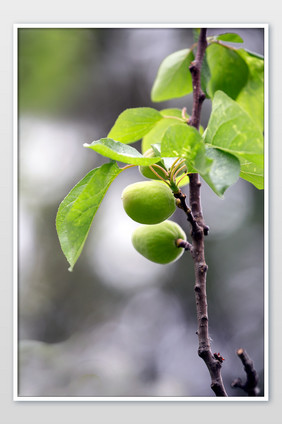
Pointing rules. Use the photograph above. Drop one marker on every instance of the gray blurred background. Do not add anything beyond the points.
(119, 325)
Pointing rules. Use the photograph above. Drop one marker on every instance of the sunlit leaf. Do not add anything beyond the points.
(132, 124)
(185, 141)
(251, 97)
(173, 78)
(232, 130)
(229, 72)
(253, 173)
(118, 151)
(219, 169)
(230, 37)
(77, 210)
(224, 172)
(156, 134)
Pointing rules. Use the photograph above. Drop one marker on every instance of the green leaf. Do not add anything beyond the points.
(231, 37)
(118, 151)
(173, 78)
(224, 172)
(77, 210)
(251, 97)
(219, 169)
(133, 124)
(253, 173)
(232, 130)
(156, 134)
(229, 72)
(185, 141)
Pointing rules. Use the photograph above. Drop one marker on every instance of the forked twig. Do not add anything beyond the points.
(251, 384)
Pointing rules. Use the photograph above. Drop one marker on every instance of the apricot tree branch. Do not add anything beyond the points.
(250, 386)
(181, 203)
(213, 362)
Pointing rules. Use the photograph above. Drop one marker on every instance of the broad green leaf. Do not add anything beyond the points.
(252, 173)
(230, 37)
(229, 72)
(77, 210)
(133, 124)
(185, 141)
(173, 78)
(224, 172)
(232, 130)
(251, 97)
(156, 134)
(118, 151)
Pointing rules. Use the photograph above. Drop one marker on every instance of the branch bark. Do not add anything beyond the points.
(213, 362)
(251, 384)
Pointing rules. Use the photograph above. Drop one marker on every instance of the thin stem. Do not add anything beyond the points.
(161, 178)
(198, 250)
(180, 179)
(128, 166)
(174, 163)
(160, 168)
(179, 170)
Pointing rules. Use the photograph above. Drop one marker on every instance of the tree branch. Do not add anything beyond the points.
(250, 386)
(213, 362)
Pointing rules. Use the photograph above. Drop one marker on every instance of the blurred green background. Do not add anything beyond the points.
(119, 325)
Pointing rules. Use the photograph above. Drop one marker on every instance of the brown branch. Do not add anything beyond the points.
(213, 363)
(181, 203)
(251, 384)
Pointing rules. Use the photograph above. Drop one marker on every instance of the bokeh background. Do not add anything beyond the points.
(119, 325)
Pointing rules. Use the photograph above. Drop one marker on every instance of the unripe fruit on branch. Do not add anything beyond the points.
(147, 172)
(148, 202)
(158, 243)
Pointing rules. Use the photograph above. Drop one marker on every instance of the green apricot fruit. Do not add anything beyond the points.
(158, 242)
(148, 202)
(147, 172)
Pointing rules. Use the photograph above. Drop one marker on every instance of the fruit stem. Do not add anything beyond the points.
(159, 167)
(175, 167)
(161, 178)
(179, 170)
(183, 243)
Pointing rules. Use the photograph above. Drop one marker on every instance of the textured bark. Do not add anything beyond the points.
(251, 384)
(198, 232)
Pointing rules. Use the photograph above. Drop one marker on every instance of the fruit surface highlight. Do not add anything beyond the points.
(158, 242)
(148, 202)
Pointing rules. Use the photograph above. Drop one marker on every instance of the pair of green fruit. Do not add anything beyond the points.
(151, 203)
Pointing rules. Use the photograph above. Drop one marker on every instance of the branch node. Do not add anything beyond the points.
(206, 230)
(197, 289)
(202, 97)
(218, 357)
